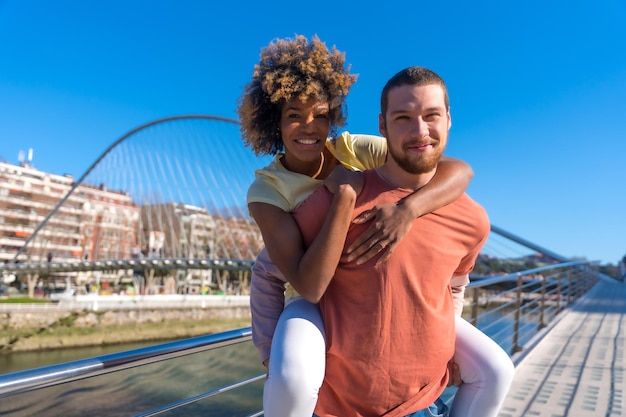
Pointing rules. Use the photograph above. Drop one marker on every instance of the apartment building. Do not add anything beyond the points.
(93, 223)
(176, 230)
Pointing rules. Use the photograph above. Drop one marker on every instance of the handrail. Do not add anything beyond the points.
(483, 282)
(141, 264)
(23, 381)
(536, 296)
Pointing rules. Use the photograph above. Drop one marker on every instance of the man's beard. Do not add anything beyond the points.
(417, 165)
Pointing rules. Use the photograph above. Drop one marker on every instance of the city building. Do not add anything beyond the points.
(93, 223)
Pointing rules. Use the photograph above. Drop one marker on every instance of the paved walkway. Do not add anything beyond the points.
(577, 368)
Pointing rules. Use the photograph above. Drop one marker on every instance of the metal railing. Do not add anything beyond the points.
(95, 302)
(526, 300)
(512, 309)
(131, 265)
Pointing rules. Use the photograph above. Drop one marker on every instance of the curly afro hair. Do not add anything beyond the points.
(288, 69)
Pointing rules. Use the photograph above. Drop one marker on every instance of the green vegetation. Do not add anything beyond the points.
(486, 265)
(24, 300)
(60, 335)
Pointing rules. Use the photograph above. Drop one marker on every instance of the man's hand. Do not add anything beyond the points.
(455, 374)
(390, 223)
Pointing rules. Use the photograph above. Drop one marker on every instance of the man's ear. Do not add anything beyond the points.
(449, 120)
(381, 125)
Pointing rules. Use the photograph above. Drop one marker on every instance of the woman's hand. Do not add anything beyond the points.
(266, 363)
(341, 176)
(455, 374)
(390, 223)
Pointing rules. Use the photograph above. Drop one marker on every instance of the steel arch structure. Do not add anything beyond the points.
(186, 176)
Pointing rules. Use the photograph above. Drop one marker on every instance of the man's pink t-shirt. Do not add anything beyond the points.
(390, 327)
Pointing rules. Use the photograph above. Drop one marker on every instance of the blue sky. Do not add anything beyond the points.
(538, 89)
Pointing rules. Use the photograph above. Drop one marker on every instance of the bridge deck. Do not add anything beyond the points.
(577, 368)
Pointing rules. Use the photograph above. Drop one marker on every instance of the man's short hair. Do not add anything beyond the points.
(412, 76)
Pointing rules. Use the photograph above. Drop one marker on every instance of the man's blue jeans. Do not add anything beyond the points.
(436, 409)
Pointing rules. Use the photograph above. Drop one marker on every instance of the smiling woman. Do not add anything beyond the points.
(304, 129)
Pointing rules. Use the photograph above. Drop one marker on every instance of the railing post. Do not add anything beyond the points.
(576, 280)
(559, 289)
(569, 287)
(475, 299)
(542, 324)
(516, 347)
(579, 283)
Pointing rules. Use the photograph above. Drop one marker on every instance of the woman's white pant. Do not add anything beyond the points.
(486, 371)
(297, 362)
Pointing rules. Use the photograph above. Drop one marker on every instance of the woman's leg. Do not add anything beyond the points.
(297, 362)
(486, 370)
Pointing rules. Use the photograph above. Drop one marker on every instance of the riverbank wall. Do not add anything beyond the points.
(73, 323)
